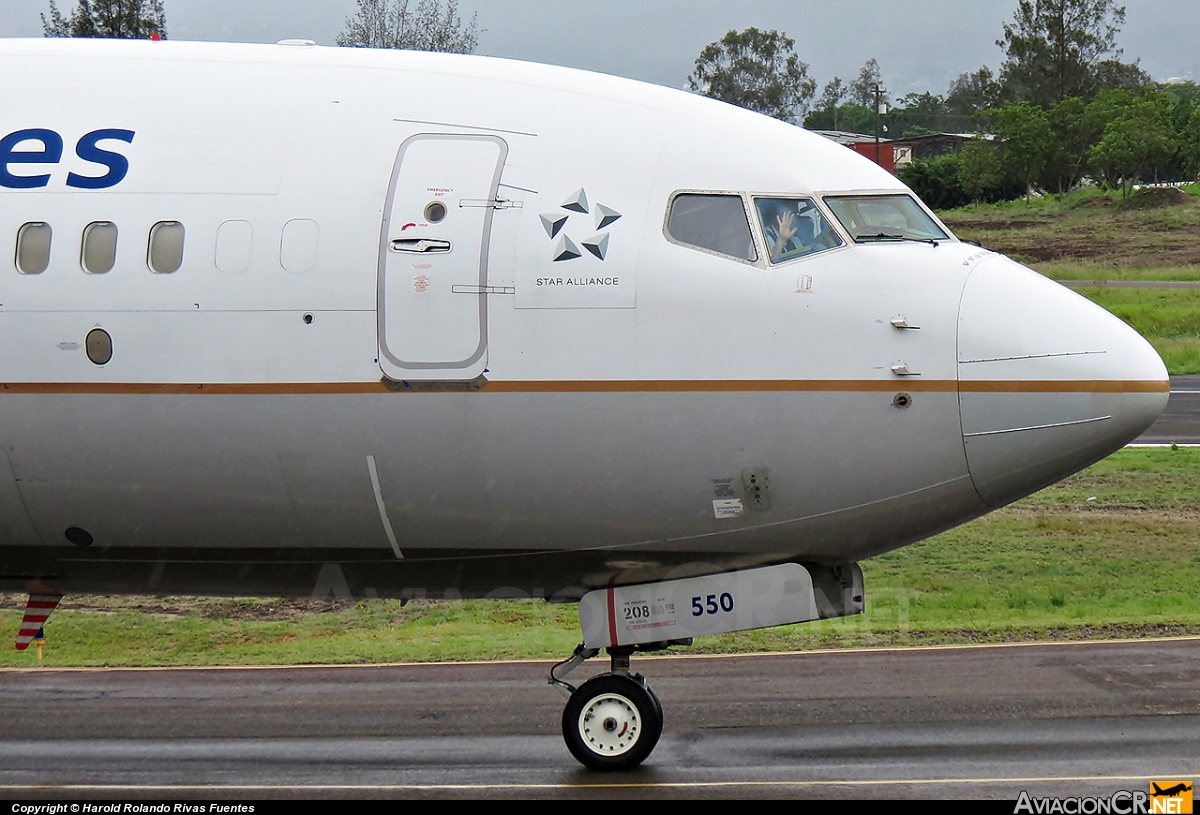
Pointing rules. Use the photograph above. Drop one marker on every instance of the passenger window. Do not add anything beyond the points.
(165, 253)
(794, 227)
(717, 223)
(33, 248)
(235, 240)
(99, 247)
(298, 245)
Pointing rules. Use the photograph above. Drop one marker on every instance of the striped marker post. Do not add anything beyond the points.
(37, 610)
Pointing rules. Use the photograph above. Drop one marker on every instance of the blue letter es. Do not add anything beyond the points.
(116, 163)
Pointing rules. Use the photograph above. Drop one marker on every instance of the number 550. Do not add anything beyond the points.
(709, 605)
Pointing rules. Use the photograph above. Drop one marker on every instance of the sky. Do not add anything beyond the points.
(921, 45)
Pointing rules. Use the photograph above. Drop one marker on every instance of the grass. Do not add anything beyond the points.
(1110, 552)
(1088, 228)
(1093, 270)
(1168, 318)
(369, 632)
(1088, 235)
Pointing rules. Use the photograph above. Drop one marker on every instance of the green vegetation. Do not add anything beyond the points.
(1156, 227)
(1092, 270)
(1062, 109)
(1110, 552)
(757, 70)
(191, 631)
(1169, 318)
(123, 19)
(1090, 236)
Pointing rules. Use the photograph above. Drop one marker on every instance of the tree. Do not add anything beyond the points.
(428, 27)
(1055, 46)
(979, 168)
(1074, 134)
(853, 118)
(1112, 73)
(123, 19)
(1027, 141)
(935, 181)
(1140, 140)
(971, 93)
(832, 97)
(862, 90)
(918, 114)
(756, 70)
(1189, 146)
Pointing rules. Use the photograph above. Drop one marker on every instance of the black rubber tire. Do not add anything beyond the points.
(657, 707)
(631, 706)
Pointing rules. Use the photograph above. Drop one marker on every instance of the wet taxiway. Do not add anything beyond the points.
(975, 722)
(1180, 422)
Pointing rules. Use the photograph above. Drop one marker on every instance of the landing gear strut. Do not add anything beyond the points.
(614, 720)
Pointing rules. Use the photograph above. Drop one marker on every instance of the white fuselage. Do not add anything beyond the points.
(541, 389)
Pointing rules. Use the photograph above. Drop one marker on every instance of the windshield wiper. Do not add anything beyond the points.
(884, 236)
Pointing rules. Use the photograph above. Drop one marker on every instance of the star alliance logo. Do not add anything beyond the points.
(565, 248)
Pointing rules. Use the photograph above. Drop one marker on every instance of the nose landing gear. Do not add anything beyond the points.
(612, 721)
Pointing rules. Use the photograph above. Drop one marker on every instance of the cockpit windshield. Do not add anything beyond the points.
(883, 218)
(717, 223)
(794, 227)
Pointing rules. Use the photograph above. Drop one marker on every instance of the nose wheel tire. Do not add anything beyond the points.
(612, 722)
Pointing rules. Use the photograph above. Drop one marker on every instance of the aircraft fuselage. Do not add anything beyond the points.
(441, 322)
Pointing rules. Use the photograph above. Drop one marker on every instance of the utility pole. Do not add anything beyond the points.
(878, 100)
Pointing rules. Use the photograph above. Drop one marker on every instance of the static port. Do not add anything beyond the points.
(308, 318)
(901, 401)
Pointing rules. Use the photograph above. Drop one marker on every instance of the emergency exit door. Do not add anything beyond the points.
(434, 257)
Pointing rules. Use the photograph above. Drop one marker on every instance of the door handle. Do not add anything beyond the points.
(420, 246)
(493, 203)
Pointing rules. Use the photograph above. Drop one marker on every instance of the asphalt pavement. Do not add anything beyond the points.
(1180, 423)
(975, 722)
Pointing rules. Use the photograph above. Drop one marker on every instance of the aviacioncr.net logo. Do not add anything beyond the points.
(1123, 802)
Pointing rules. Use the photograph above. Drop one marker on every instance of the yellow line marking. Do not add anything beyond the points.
(213, 389)
(608, 386)
(728, 386)
(869, 782)
(676, 657)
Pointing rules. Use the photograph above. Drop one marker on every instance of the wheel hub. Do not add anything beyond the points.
(610, 724)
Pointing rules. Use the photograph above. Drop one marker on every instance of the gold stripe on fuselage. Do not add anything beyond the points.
(609, 386)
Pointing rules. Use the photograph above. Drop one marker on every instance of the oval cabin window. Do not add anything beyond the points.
(99, 247)
(165, 253)
(298, 246)
(33, 248)
(235, 242)
(99, 346)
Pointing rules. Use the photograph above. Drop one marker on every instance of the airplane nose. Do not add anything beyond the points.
(1049, 382)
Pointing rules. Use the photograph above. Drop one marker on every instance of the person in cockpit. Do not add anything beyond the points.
(794, 228)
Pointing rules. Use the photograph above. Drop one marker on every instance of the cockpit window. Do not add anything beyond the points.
(794, 227)
(882, 218)
(717, 223)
